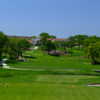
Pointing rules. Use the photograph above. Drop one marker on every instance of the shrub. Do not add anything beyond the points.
(56, 53)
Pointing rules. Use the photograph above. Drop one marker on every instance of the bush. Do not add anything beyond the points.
(56, 53)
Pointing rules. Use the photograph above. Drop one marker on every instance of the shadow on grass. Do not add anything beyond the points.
(32, 57)
(6, 75)
(86, 73)
(12, 61)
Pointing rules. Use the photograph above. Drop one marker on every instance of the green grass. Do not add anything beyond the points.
(42, 60)
(28, 85)
(54, 82)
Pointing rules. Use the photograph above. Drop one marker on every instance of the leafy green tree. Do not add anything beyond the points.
(94, 53)
(70, 44)
(13, 49)
(24, 44)
(43, 38)
(17, 47)
(3, 42)
(45, 43)
(34, 37)
(44, 35)
(52, 36)
(62, 45)
(77, 40)
(91, 40)
(50, 46)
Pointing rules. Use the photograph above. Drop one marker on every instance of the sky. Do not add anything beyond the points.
(62, 18)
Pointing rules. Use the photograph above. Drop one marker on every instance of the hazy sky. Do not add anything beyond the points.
(58, 17)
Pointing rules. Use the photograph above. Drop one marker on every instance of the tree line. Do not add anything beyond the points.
(12, 48)
(90, 44)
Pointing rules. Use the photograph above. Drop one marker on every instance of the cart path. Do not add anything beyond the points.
(44, 69)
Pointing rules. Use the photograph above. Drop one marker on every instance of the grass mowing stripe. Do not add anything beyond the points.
(85, 91)
(94, 92)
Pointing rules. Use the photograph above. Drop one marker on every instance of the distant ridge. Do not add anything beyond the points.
(23, 37)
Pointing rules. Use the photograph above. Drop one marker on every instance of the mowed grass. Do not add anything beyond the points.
(39, 91)
(42, 60)
(29, 85)
(54, 82)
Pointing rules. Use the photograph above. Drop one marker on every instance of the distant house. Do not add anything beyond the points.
(57, 39)
(35, 41)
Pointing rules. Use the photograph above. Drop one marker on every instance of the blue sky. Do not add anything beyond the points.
(59, 17)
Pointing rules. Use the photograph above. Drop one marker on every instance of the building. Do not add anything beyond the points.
(57, 39)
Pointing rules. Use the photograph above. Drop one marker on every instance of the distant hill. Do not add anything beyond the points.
(22, 37)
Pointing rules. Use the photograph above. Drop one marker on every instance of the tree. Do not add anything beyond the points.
(77, 40)
(91, 40)
(94, 53)
(13, 49)
(44, 35)
(62, 45)
(34, 37)
(50, 46)
(3, 42)
(52, 36)
(70, 44)
(43, 38)
(46, 44)
(17, 47)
